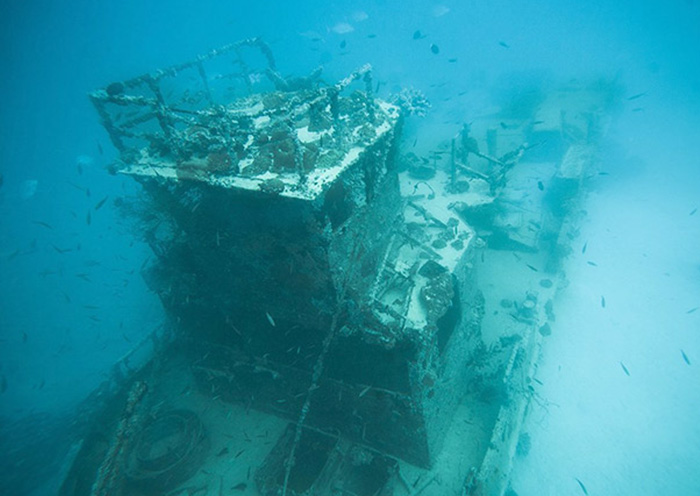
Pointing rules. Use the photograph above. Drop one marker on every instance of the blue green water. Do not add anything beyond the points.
(71, 297)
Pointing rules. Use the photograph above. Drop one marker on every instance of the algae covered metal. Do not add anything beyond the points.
(324, 313)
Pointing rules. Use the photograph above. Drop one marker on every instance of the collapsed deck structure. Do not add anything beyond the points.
(313, 295)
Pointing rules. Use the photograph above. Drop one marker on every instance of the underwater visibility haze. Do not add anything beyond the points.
(490, 234)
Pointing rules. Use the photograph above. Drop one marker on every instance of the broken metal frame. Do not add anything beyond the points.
(151, 104)
(160, 110)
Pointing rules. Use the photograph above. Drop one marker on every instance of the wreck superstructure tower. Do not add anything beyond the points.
(296, 274)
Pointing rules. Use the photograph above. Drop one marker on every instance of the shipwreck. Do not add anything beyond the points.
(327, 329)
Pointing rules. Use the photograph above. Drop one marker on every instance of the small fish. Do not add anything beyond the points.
(452, 60)
(602, 301)
(624, 368)
(99, 204)
(603, 173)
(99, 149)
(540, 185)
(638, 109)
(638, 95)
(342, 28)
(440, 10)
(532, 268)
(685, 357)
(223, 452)
(87, 192)
(240, 486)
(239, 453)
(434, 48)
(343, 44)
(88, 219)
(692, 310)
(42, 224)
(360, 16)
(25, 337)
(270, 319)
(61, 250)
(692, 212)
(504, 44)
(583, 488)
(417, 35)
(80, 169)
(371, 36)
(592, 264)
(585, 246)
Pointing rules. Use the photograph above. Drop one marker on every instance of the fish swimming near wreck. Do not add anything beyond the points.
(624, 368)
(638, 95)
(342, 28)
(43, 224)
(685, 357)
(100, 203)
(583, 488)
